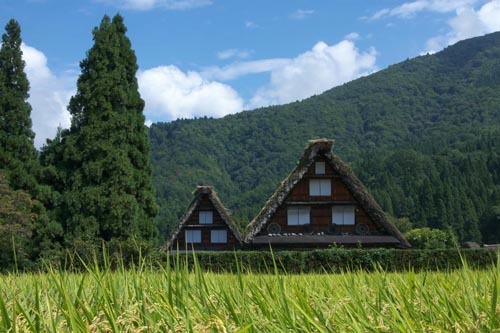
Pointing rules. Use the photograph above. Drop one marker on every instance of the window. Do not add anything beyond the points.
(206, 217)
(319, 168)
(343, 215)
(298, 215)
(320, 187)
(218, 236)
(193, 236)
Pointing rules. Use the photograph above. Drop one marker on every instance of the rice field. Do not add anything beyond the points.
(148, 299)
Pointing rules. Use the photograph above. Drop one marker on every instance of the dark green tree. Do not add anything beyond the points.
(25, 218)
(102, 163)
(18, 156)
(16, 226)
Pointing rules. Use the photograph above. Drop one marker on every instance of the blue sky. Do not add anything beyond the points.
(217, 57)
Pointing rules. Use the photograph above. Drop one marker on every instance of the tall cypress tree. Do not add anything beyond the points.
(108, 191)
(18, 156)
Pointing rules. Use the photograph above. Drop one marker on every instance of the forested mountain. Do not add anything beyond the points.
(424, 136)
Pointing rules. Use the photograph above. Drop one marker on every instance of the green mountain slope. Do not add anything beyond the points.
(424, 135)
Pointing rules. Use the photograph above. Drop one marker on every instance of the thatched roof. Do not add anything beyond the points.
(323, 147)
(199, 193)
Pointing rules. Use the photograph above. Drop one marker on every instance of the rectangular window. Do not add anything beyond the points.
(299, 215)
(206, 217)
(343, 215)
(320, 187)
(193, 236)
(319, 168)
(218, 236)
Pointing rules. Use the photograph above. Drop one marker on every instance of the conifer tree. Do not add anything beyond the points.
(18, 156)
(19, 165)
(107, 192)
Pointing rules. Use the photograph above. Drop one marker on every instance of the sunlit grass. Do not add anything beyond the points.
(143, 299)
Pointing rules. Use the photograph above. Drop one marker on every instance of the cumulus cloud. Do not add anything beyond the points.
(410, 9)
(301, 14)
(313, 72)
(468, 23)
(170, 94)
(151, 4)
(49, 95)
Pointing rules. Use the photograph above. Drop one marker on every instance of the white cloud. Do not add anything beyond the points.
(251, 25)
(49, 95)
(352, 36)
(468, 23)
(238, 69)
(170, 94)
(410, 9)
(233, 53)
(301, 14)
(313, 72)
(151, 4)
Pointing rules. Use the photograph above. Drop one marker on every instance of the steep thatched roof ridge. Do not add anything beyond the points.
(359, 191)
(365, 199)
(214, 199)
(313, 148)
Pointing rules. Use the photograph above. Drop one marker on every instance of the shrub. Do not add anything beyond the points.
(338, 260)
(426, 238)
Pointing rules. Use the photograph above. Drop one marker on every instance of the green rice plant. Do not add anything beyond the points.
(182, 297)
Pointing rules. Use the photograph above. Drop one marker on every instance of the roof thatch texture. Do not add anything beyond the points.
(315, 148)
(198, 193)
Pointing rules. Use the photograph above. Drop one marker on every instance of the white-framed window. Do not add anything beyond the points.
(206, 217)
(193, 236)
(218, 236)
(319, 168)
(299, 215)
(320, 187)
(343, 215)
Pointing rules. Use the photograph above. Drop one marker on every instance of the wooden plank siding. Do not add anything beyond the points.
(192, 223)
(321, 207)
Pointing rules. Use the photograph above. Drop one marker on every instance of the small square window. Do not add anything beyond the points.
(299, 215)
(319, 168)
(320, 187)
(218, 236)
(206, 217)
(343, 215)
(193, 236)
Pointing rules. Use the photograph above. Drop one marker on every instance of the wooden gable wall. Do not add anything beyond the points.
(192, 223)
(321, 207)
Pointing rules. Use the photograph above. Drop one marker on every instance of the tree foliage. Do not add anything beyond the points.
(427, 238)
(26, 226)
(17, 217)
(18, 156)
(100, 167)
